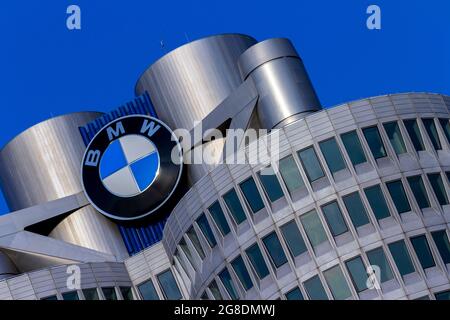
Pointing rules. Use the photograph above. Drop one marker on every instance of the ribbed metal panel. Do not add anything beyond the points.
(135, 239)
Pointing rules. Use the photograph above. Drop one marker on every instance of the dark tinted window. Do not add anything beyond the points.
(332, 155)
(219, 218)
(252, 195)
(423, 251)
(414, 134)
(374, 141)
(356, 209)
(311, 164)
(353, 147)
(377, 202)
(234, 205)
(398, 196)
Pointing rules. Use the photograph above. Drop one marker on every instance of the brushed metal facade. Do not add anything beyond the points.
(7, 267)
(43, 164)
(285, 90)
(186, 84)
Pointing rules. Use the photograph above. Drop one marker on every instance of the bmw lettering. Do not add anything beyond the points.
(127, 169)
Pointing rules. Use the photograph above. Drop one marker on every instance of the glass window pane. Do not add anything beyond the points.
(276, 252)
(257, 261)
(419, 191)
(378, 258)
(214, 288)
(127, 293)
(443, 295)
(377, 202)
(313, 227)
(90, 294)
(353, 147)
(169, 285)
(337, 283)
(293, 238)
(70, 296)
(414, 134)
(227, 282)
(423, 251)
(183, 245)
(234, 206)
(311, 164)
(441, 240)
(358, 273)
(395, 137)
(333, 216)
(204, 226)
(271, 185)
(109, 293)
(192, 235)
(332, 155)
(445, 124)
(290, 174)
(178, 258)
(374, 141)
(314, 289)
(398, 196)
(401, 257)
(148, 291)
(294, 294)
(251, 194)
(242, 273)
(219, 218)
(356, 209)
(438, 187)
(430, 127)
(51, 298)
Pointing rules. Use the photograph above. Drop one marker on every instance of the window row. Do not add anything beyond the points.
(167, 285)
(357, 267)
(104, 293)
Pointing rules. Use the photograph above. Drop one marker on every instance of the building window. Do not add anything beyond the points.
(438, 187)
(275, 250)
(358, 273)
(445, 124)
(127, 293)
(290, 174)
(356, 209)
(414, 134)
(401, 257)
(332, 155)
(148, 291)
(109, 293)
(242, 273)
(333, 216)
(430, 127)
(445, 295)
(71, 295)
(377, 202)
(293, 238)
(271, 185)
(234, 206)
(337, 283)
(178, 258)
(398, 196)
(169, 285)
(423, 251)
(378, 258)
(183, 245)
(353, 147)
(395, 137)
(90, 294)
(219, 218)
(294, 294)
(314, 289)
(441, 240)
(53, 297)
(313, 227)
(203, 224)
(227, 282)
(311, 164)
(419, 191)
(214, 288)
(256, 259)
(374, 141)
(192, 235)
(252, 195)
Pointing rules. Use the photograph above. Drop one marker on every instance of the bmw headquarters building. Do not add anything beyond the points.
(110, 206)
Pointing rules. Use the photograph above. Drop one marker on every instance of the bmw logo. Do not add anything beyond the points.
(131, 167)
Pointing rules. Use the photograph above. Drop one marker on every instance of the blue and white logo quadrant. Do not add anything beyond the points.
(129, 165)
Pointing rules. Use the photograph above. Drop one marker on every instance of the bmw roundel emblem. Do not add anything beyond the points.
(131, 167)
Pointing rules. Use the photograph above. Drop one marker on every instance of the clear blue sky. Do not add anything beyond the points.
(47, 70)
